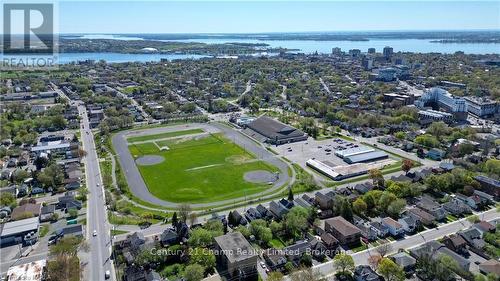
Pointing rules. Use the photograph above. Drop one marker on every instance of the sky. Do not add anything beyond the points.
(277, 16)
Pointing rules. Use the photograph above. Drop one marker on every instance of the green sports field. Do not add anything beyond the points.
(199, 169)
(164, 135)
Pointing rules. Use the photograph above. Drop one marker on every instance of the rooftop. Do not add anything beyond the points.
(235, 247)
(20, 226)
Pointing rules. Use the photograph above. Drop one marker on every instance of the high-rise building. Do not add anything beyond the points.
(388, 51)
(355, 52)
(443, 99)
(336, 51)
(481, 107)
(371, 50)
(367, 63)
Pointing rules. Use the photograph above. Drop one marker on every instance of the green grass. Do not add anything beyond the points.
(44, 229)
(360, 248)
(117, 232)
(276, 243)
(165, 135)
(200, 170)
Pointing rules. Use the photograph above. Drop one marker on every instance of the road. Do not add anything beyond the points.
(327, 269)
(100, 245)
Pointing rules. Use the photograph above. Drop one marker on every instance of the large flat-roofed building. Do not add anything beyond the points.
(481, 107)
(272, 131)
(366, 157)
(444, 100)
(428, 116)
(21, 231)
(353, 151)
(337, 172)
(52, 146)
(236, 257)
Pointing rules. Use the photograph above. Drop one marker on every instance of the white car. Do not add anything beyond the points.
(95, 233)
(107, 274)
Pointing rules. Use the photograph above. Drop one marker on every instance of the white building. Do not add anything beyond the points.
(481, 106)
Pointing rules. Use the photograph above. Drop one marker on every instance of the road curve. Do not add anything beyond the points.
(139, 188)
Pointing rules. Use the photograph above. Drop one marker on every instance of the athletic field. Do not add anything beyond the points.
(193, 167)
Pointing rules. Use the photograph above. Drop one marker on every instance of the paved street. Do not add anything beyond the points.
(100, 246)
(326, 269)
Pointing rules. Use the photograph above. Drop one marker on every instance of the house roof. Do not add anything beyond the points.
(235, 247)
(26, 208)
(484, 226)
(403, 259)
(343, 226)
(391, 222)
(18, 227)
(490, 266)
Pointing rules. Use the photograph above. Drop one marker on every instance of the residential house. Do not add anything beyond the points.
(381, 230)
(489, 185)
(473, 238)
(330, 242)
(323, 201)
(432, 207)
(169, 237)
(434, 250)
(363, 188)
(277, 210)
(275, 259)
(264, 212)
(366, 273)
(345, 232)
(456, 207)
(367, 231)
(295, 251)
(484, 226)
(473, 201)
(490, 266)
(252, 214)
(302, 203)
(456, 243)
(395, 228)
(47, 212)
(421, 216)
(436, 154)
(405, 261)
(21, 212)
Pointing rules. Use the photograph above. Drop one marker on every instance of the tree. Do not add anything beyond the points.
(193, 217)
(194, 272)
(52, 176)
(377, 177)
(396, 207)
(290, 194)
(20, 175)
(385, 200)
(296, 221)
(407, 165)
(73, 213)
(359, 206)
(7, 199)
(203, 257)
(391, 271)
(200, 237)
(344, 263)
(184, 211)
(374, 261)
(384, 248)
(175, 220)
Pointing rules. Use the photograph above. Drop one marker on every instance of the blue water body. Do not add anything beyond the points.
(325, 47)
(399, 45)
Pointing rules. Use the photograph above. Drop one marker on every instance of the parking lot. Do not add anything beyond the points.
(322, 150)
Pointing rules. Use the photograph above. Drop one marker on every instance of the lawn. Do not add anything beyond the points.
(200, 170)
(165, 135)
